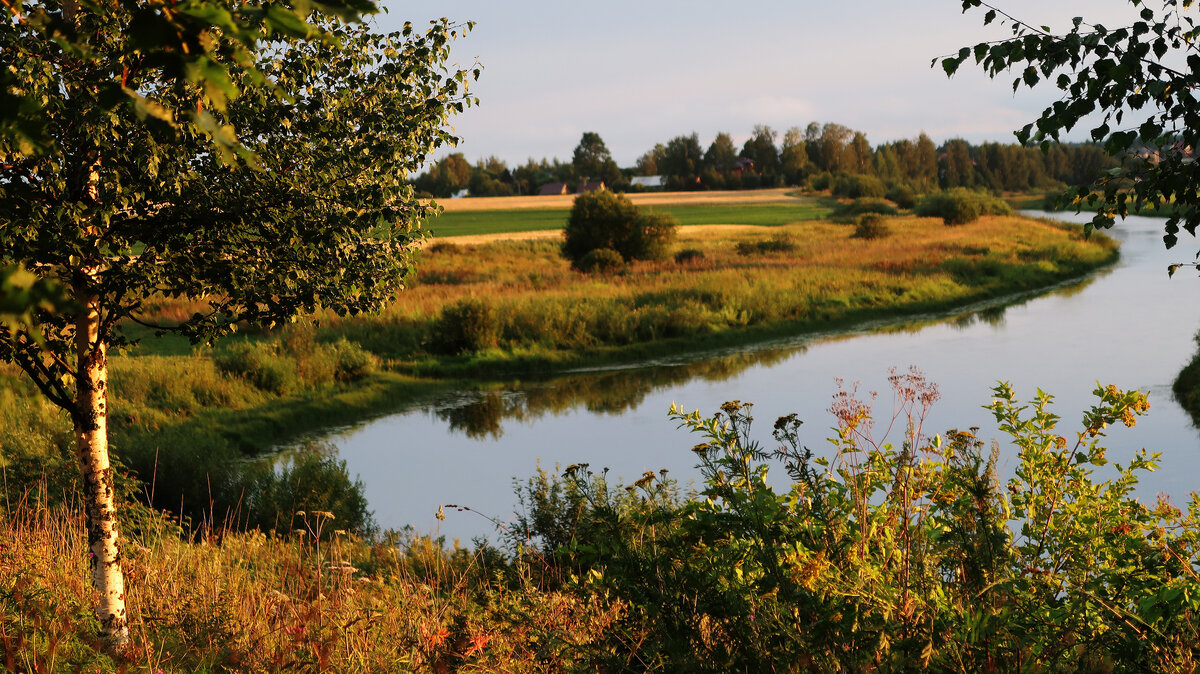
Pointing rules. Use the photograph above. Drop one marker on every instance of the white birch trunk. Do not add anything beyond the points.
(91, 442)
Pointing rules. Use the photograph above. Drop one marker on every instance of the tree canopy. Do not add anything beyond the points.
(122, 205)
(1135, 84)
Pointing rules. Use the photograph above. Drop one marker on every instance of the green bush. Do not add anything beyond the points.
(688, 255)
(857, 186)
(601, 261)
(871, 226)
(602, 219)
(351, 361)
(960, 206)
(893, 555)
(902, 195)
(849, 213)
(820, 181)
(263, 365)
(467, 325)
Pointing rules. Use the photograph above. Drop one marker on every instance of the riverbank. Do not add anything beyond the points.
(181, 418)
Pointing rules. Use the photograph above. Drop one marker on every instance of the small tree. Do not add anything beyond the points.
(602, 219)
(128, 206)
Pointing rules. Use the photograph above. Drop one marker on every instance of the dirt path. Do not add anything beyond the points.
(641, 199)
(686, 231)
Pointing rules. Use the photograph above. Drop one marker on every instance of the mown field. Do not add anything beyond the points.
(501, 221)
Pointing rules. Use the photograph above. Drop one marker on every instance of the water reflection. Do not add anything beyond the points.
(480, 414)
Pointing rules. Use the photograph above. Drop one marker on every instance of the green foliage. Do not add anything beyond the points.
(1109, 72)
(602, 219)
(468, 325)
(262, 364)
(855, 186)
(872, 226)
(902, 195)
(779, 243)
(601, 261)
(960, 206)
(1186, 386)
(850, 213)
(886, 556)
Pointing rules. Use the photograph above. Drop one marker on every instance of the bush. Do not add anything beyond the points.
(688, 255)
(351, 361)
(856, 186)
(261, 364)
(820, 181)
(601, 261)
(849, 213)
(467, 325)
(602, 219)
(902, 195)
(897, 554)
(960, 206)
(871, 226)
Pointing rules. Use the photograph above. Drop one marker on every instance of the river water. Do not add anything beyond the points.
(1128, 325)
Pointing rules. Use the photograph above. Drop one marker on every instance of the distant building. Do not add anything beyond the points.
(461, 194)
(649, 182)
(553, 188)
(590, 186)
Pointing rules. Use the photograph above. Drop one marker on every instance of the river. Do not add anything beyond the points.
(1128, 325)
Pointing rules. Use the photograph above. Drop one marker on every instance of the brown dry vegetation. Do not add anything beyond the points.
(639, 199)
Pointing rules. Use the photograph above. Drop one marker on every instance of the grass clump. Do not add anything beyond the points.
(778, 243)
(688, 255)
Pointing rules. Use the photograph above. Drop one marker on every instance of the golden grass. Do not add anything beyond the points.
(640, 199)
(249, 602)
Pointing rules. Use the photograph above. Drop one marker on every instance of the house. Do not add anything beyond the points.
(553, 188)
(648, 182)
(590, 186)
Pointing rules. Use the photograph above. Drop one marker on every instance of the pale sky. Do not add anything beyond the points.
(640, 73)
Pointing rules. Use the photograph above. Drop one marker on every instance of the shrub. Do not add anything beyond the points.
(351, 361)
(261, 364)
(467, 325)
(856, 186)
(849, 213)
(820, 181)
(902, 195)
(601, 261)
(871, 226)
(688, 255)
(960, 206)
(602, 219)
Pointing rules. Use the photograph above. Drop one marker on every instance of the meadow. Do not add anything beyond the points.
(453, 223)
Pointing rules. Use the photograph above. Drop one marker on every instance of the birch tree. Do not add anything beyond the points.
(306, 207)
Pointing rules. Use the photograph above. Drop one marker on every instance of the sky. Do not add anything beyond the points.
(643, 72)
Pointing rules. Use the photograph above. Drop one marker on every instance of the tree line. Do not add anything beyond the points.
(801, 158)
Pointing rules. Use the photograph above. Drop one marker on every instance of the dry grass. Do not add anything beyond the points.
(640, 199)
(251, 603)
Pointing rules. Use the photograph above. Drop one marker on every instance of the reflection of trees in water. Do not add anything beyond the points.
(480, 414)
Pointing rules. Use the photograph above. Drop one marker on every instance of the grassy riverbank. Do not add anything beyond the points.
(180, 418)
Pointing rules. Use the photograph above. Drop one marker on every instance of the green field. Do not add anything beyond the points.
(466, 223)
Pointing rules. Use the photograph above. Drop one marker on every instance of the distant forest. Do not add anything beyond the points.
(810, 157)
